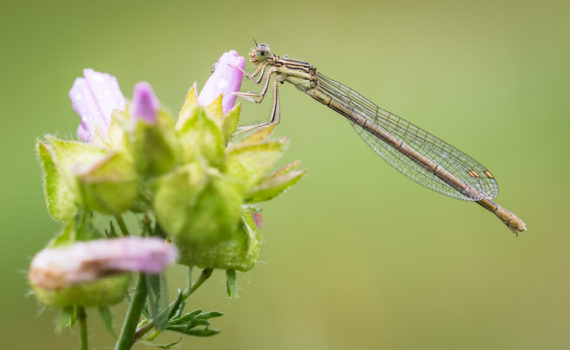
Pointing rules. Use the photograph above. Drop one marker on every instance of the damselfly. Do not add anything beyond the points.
(421, 156)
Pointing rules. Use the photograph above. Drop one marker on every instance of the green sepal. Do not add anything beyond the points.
(250, 162)
(105, 291)
(273, 186)
(215, 214)
(230, 123)
(187, 110)
(175, 196)
(241, 252)
(59, 197)
(216, 111)
(118, 137)
(109, 186)
(60, 159)
(200, 137)
(259, 135)
(155, 146)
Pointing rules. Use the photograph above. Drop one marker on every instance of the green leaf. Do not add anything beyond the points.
(160, 346)
(231, 283)
(230, 124)
(158, 299)
(250, 162)
(201, 138)
(58, 192)
(107, 318)
(208, 315)
(273, 186)
(67, 318)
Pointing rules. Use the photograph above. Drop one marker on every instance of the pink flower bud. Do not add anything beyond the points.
(94, 98)
(56, 268)
(225, 80)
(145, 103)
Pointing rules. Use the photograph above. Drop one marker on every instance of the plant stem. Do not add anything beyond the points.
(122, 225)
(82, 320)
(206, 273)
(126, 338)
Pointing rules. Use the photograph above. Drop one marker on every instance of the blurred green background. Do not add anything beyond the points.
(356, 255)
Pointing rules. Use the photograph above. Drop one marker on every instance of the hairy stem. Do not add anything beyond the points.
(127, 336)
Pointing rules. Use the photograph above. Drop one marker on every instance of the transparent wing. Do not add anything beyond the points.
(453, 160)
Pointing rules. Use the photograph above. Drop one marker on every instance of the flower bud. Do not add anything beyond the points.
(93, 273)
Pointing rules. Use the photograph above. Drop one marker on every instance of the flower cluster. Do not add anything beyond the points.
(193, 178)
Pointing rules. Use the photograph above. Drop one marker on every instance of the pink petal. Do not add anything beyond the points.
(225, 80)
(145, 103)
(94, 98)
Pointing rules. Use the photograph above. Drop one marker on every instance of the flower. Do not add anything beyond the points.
(57, 268)
(94, 98)
(226, 79)
(145, 103)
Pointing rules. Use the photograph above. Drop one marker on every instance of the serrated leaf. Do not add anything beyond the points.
(59, 196)
(186, 318)
(190, 103)
(231, 122)
(210, 314)
(201, 332)
(216, 111)
(250, 162)
(107, 318)
(160, 346)
(273, 186)
(201, 138)
(231, 283)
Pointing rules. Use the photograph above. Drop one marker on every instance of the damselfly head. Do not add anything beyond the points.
(259, 54)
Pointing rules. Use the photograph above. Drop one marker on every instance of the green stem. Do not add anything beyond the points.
(82, 320)
(206, 273)
(122, 225)
(126, 338)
